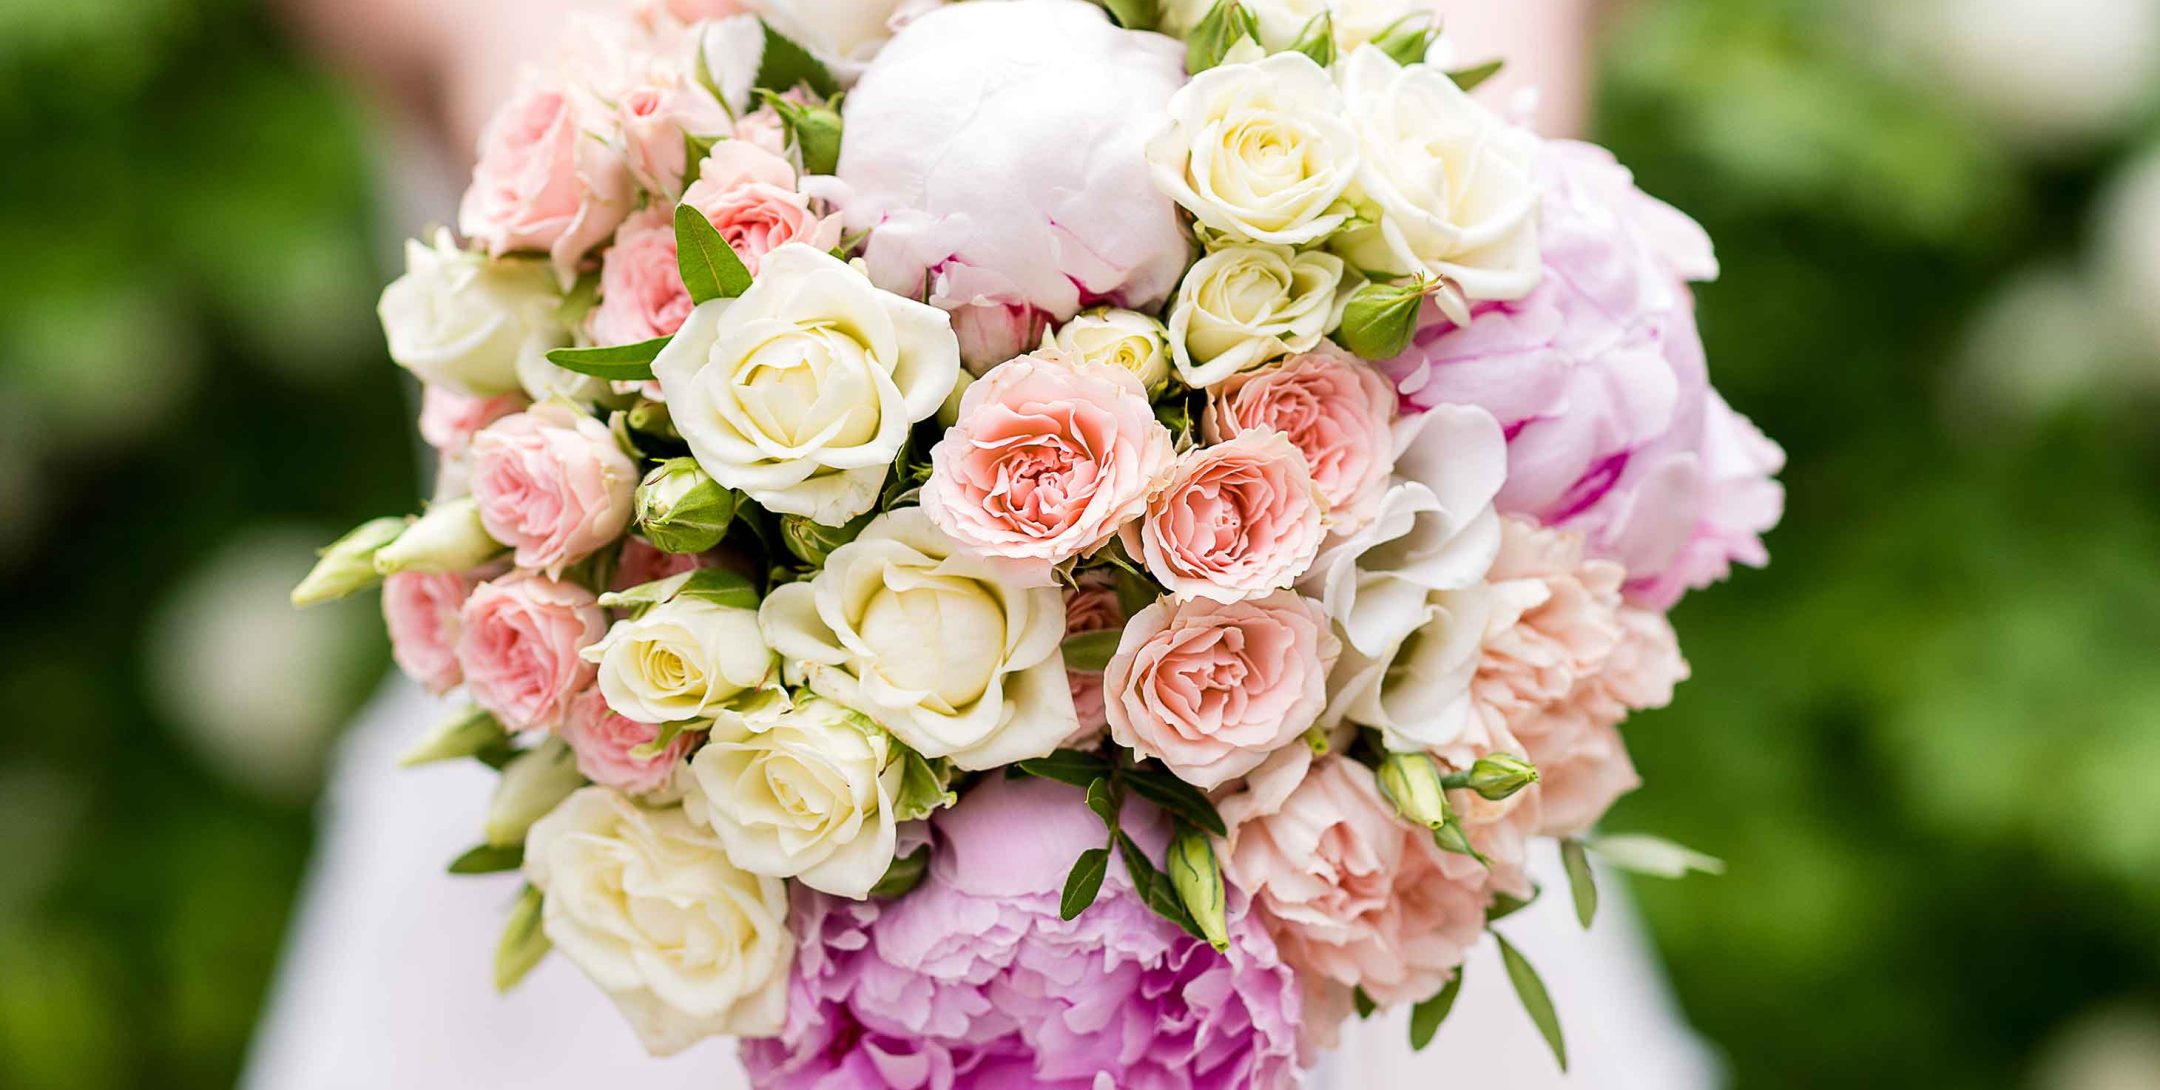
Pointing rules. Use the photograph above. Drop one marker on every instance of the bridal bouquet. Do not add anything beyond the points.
(1017, 542)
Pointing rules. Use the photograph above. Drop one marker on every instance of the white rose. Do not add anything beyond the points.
(460, 320)
(687, 944)
(845, 34)
(1242, 306)
(1125, 339)
(1451, 185)
(800, 392)
(683, 659)
(1260, 151)
(801, 792)
(938, 647)
(1283, 22)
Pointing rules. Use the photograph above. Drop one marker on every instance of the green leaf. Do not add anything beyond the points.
(709, 266)
(1135, 14)
(1505, 905)
(814, 130)
(580, 299)
(1654, 856)
(1365, 1005)
(489, 859)
(716, 585)
(1409, 38)
(1317, 40)
(1469, 78)
(923, 786)
(1581, 882)
(1135, 592)
(669, 731)
(903, 876)
(1103, 801)
(696, 148)
(1091, 651)
(523, 943)
(1425, 1018)
(615, 362)
(1452, 838)
(786, 66)
(1222, 27)
(1176, 796)
(1137, 864)
(1067, 766)
(1535, 1000)
(1085, 881)
(468, 734)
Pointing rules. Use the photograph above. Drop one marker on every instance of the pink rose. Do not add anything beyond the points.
(1212, 688)
(1092, 606)
(1238, 519)
(1355, 897)
(640, 563)
(764, 128)
(449, 419)
(657, 117)
(421, 612)
(542, 182)
(602, 740)
(552, 484)
(1337, 410)
(749, 195)
(641, 290)
(1049, 457)
(518, 643)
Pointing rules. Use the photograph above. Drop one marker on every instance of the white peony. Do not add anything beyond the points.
(1125, 339)
(683, 659)
(1260, 152)
(459, 320)
(1242, 306)
(800, 392)
(803, 791)
(687, 944)
(938, 647)
(1449, 185)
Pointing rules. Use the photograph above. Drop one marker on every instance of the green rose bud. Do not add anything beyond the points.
(1380, 318)
(681, 509)
(449, 538)
(815, 131)
(531, 785)
(1499, 776)
(469, 734)
(1225, 24)
(812, 543)
(1193, 870)
(348, 564)
(1412, 782)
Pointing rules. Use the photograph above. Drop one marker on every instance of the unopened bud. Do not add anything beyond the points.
(348, 564)
(1380, 318)
(812, 542)
(449, 538)
(1412, 782)
(532, 784)
(815, 130)
(1199, 882)
(469, 734)
(681, 509)
(1499, 776)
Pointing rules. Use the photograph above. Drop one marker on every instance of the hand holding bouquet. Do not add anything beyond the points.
(991, 545)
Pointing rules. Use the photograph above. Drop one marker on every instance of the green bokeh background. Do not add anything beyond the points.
(1927, 739)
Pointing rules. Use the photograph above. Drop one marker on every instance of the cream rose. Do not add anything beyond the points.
(802, 792)
(681, 660)
(800, 392)
(935, 645)
(1243, 306)
(461, 321)
(1125, 339)
(1260, 152)
(1450, 186)
(646, 903)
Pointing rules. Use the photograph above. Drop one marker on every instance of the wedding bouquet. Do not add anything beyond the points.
(1026, 543)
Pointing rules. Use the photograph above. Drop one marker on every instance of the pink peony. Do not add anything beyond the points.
(1238, 519)
(1212, 688)
(542, 182)
(1599, 378)
(1092, 606)
(1335, 408)
(973, 982)
(449, 419)
(552, 484)
(518, 643)
(641, 290)
(602, 741)
(1355, 897)
(750, 196)
(421, 611)
(1049, 457)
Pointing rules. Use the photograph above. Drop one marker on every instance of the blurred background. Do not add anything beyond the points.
(1927, 739)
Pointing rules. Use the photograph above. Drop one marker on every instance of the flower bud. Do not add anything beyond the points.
(812, 542)
(1125, 339)
(468, 734)
(348, 564)
(1198, 878)
(681, 509)
(449, 538)
(531, 785)
(1499, 776)
(815, 131)
(1412, 782)
(1380, 318)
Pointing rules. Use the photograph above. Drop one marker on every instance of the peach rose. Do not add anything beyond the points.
(1049, 457)
(1092, 606)
(1337, 411)
(449, 418)
(542, 183)
(602, 740)
(1240, 518)
(1212, 688)
(518, 643)
(641, 290)
(750, 196)
(421, 611)
(552, 484)
(1354, 897)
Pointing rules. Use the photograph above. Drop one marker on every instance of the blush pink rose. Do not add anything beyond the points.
(542, 182)
(1092, 606)
(518, 642)
(449, 419)
(421, 611)
(657, 117)
(1211, 688)
(1049, 457)
(552, 484)
(750, 196)
(602, 742)
(640, 563)
(1354, 897)
(641, 289)
(1238, 519)
(1335, 408)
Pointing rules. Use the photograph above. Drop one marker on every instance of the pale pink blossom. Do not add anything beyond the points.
(1092, 606)
(1335, 408)
(542, 181)
(449, 419)
(640, 563)
(421, 611)
(1238, 519)
(602, 741)
(657, 117)
(1049, 456)
(1582, 760)
(641, 288)
(552, 484)
(764, 128)
(1211, 688)
(519, 639)
(750, 196)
